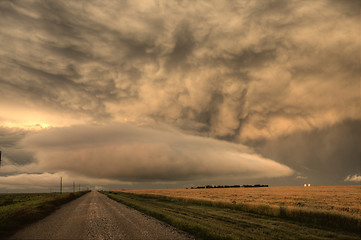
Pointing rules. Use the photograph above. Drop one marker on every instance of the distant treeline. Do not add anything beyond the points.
(229, 186)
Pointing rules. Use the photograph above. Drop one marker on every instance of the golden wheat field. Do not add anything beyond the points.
(339, 198)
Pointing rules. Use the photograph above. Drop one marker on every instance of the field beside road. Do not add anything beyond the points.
(221, 214)
(19, 209)
(345, 199)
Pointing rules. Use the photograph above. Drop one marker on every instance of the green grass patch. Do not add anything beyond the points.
(219, 220)
(17, 210)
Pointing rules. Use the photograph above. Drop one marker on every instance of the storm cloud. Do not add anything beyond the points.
(227, 73)
(129, 153)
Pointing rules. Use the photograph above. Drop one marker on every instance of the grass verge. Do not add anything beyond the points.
(18, 210)
(220, 220)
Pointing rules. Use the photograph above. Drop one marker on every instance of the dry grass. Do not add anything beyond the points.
(346, 199)
(225, 220)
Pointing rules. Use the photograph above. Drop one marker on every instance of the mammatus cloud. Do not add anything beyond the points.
(127, 153)
(236, 70)
(353, 178)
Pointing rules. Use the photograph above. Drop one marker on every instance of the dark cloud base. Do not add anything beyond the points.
(325, 156)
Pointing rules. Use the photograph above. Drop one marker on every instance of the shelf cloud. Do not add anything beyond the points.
(128, 153)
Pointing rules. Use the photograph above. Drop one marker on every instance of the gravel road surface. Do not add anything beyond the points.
(95, 216)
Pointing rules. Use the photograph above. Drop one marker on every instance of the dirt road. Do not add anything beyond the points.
(94, 216)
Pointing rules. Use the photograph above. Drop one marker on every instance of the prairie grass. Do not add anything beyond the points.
(17, 210)
(223, 220)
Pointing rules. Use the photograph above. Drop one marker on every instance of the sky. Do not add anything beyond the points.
(173, 94)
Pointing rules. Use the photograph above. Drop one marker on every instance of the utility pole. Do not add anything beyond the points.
(61, 184)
